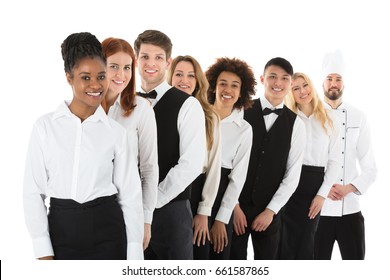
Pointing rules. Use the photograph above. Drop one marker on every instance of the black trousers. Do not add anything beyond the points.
(265, 243)
(223, 184)
(171, 232)
(200, 252)
(94, 230)
(347, 230)
(297, 229)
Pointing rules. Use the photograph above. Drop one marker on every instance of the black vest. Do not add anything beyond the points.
(168, 139)
(269, 154)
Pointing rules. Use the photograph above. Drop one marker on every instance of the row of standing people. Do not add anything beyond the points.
(189, 215)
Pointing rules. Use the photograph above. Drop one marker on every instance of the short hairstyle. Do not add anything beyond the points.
(242, 70)
(112, 46)
(282, 63)
(78, 46)
(156, 38)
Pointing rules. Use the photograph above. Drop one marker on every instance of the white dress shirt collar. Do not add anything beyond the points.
(266, 104)
(237, 117)
(161, 89)
(64, 111)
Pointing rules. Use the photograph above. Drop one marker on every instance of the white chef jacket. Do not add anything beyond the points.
(70, 159)
(358, 165)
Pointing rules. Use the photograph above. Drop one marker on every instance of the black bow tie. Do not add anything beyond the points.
(268, 111)
(152, 94)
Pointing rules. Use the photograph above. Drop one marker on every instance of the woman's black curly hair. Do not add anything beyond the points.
(78, 46)
(242, 70)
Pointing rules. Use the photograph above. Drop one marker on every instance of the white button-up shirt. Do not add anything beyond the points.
(236, 140)
(212, 168)
(294, 162)
(142, 136)
(323, 148)
(358, 165)
(193, 149)
(70, 159)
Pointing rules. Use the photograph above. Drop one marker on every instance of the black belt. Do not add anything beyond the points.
(70, 203)
(310, 168)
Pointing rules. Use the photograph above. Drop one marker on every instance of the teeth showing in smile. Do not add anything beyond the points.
(227, 96)
(184, 86)
(150, 71)
(119, 82)
(94, 93)
(277, 89)
(304, 96)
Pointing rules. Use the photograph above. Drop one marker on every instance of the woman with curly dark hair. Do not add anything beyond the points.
(232, 84)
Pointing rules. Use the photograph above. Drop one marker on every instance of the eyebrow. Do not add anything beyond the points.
(178, 70)
(88, 73)
(160, 54)
(232, 81)
(284, 75)
(113, 63)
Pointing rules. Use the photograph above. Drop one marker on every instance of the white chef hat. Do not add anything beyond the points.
(333, 63)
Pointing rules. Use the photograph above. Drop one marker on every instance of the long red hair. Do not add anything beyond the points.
(110, 47)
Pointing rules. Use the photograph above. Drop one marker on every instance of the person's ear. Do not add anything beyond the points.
(69, 78)
(262, 79)
(169, 62)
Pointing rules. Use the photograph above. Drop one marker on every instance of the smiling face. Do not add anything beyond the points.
(333, 87)
(118, 71)
(152, 66)
(183, 77)
(277, 83)
(228, 89)
(89, 85)
(301, 91)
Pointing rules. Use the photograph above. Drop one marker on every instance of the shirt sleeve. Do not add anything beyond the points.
(293, 169)
(35, 181)
(237, 177)
(365, 156)
(334, 160)
(192, 131)
(148, 163)
(127, 181)
(213, 172)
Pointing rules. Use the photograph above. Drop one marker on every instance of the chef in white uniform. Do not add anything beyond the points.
(341, 217)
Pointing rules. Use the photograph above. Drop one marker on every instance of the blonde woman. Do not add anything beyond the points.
(186, 74)
(321, 163)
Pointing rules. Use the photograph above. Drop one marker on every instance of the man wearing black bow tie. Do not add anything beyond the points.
(274, 166)
(181, 142)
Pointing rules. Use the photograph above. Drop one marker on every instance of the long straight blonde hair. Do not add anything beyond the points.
(200, 93)
(319, 111)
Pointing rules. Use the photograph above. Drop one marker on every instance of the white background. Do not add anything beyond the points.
(33, 83)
